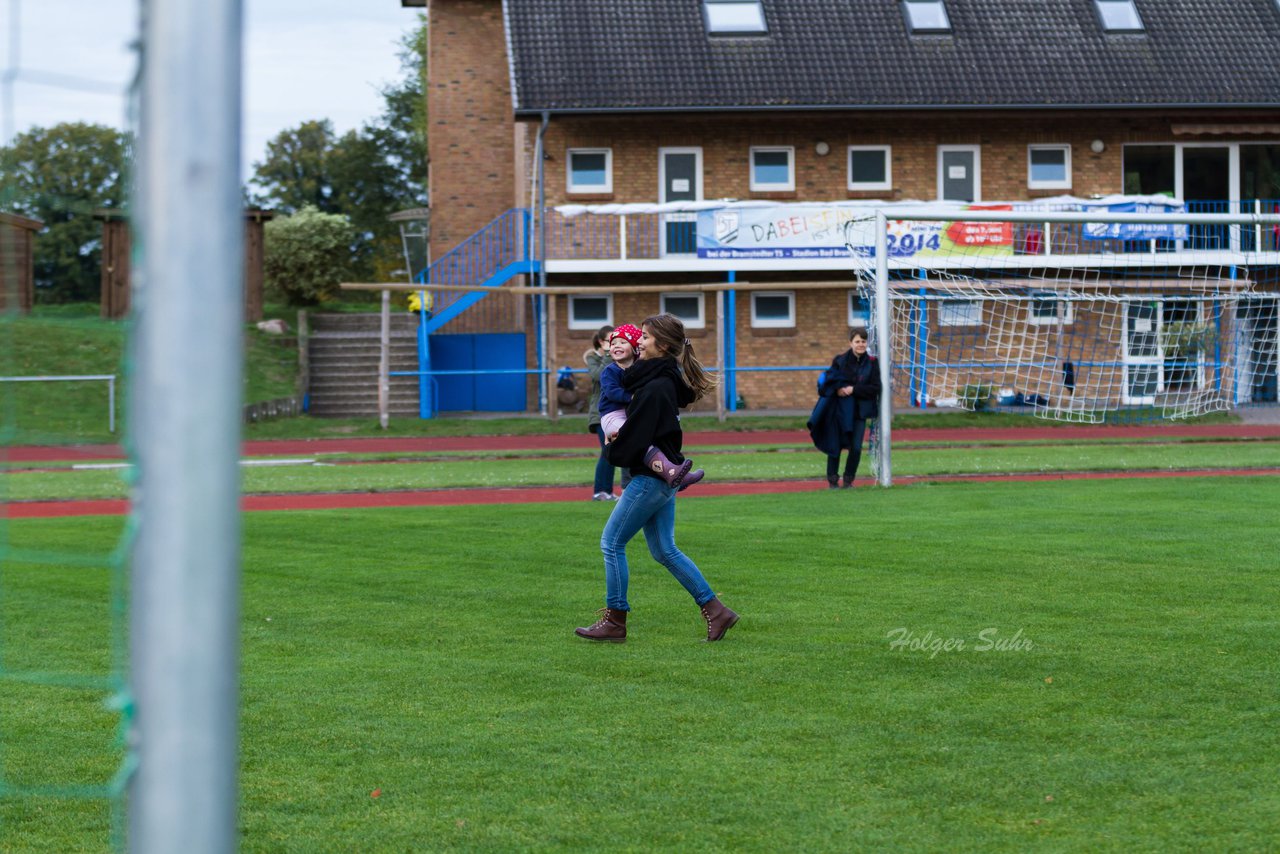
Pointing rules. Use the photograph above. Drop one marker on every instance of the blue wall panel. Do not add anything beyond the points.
(454, 353)
(483, 352)
(500, 392)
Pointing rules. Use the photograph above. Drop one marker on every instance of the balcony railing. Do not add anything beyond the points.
(617, 237)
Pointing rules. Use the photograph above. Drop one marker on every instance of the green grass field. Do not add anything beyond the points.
(65, 340)
(428, 654)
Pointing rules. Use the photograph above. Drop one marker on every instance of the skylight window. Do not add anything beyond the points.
(734, 17)
(926, 16)
(1119, 16)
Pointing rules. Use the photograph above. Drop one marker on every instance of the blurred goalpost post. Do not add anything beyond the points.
(1083, 316)
(185, 402)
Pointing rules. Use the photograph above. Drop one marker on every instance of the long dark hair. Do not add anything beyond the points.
(668, 332)
(601, 336)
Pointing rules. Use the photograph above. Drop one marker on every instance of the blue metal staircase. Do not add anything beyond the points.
(489, 259)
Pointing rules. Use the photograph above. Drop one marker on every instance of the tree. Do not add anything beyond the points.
(61, 175)
(295, 172)
(306, 255)
(365, 174)
(403, 122)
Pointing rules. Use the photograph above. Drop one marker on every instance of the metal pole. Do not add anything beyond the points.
(384, 361)
(189, 350)
(553, 402)
(540, 168)
(883, 344)
(111, 404)
(720, 349)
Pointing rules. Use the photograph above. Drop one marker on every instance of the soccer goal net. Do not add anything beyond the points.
(1074, 312)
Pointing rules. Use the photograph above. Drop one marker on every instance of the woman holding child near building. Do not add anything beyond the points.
(848, 397)
(666, 377)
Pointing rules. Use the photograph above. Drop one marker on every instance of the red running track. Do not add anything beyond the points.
(586, 441)
(530, 495)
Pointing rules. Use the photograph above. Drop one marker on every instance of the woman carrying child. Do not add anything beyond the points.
(666, 377)
(614, 399)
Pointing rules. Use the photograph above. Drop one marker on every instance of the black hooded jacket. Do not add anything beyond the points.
(658, 392)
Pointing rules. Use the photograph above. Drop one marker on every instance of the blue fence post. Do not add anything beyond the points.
(1217, 343)
(526, 218)
(426, 395)
(730, 373)
(919, 321)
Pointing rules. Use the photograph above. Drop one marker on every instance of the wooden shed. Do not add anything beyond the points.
(116, 247)
(17, 255)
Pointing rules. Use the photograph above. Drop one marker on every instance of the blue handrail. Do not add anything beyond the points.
(499, 244)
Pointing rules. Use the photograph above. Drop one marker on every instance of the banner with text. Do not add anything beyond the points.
(832, 231)
(1134, 230)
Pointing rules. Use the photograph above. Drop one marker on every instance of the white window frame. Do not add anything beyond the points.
(886, 184)
(1065, 183)
(958, 317)
(699, 322)
(770, 322)
(854, 320)
(594, 323)
(944, 29)
(1068, 315)
(606, 187)
(1140, 27)
(758, 187)
(723, 30)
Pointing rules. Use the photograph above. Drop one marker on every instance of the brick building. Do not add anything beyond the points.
(539, 104)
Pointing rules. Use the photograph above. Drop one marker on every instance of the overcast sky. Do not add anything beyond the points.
(304, 59)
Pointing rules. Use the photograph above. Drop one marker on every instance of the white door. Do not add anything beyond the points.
(679, 180)
(1142, 360)
(959, 173)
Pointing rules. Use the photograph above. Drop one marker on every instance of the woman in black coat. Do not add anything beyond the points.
(665, 378)
(849, 396)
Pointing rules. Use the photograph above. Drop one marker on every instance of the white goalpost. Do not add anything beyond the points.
(1087, 316)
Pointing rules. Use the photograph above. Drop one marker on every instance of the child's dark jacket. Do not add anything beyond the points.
(658, 392)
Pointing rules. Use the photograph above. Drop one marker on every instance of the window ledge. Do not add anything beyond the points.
(875, 195)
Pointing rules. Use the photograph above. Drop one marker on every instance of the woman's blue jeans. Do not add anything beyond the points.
(604, 471)
(647, 503)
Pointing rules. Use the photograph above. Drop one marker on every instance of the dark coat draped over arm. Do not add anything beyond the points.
(831, 422)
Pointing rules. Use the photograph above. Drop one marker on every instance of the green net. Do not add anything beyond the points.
(65, 528)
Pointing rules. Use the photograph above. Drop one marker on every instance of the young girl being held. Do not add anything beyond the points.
(613, 408)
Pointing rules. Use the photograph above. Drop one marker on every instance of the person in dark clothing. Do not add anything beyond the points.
(624, 347)
(597, 359)
(849, 396)
(666, 377)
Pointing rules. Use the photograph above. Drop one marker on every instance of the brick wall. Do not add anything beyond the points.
(471, 132)
(726, 141)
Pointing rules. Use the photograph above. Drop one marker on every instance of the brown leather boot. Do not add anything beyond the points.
(611, 627)
(719, 619)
